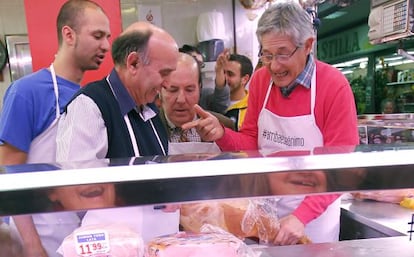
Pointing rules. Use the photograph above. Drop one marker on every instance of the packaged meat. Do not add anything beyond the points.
(204, 244)
(388, 196)
(101, 241)
(243, 218)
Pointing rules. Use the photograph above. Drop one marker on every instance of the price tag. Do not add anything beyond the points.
(92, 242)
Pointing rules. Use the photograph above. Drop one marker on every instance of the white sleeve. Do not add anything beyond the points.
(81, 132)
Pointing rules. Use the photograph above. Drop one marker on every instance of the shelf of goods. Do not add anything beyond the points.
(400, 83)
(162, 180)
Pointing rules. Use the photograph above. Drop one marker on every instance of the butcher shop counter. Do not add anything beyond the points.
(162, 180)
(368, 228)
(370, 219)
(375, 247)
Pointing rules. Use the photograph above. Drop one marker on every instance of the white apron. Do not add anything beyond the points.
(51, 227)
(298, 133)
(43, 147)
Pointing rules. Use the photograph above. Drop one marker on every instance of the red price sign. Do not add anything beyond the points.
(92, 242)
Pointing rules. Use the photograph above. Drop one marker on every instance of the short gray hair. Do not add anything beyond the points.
(286, 18)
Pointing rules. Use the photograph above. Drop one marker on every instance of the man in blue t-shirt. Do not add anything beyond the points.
(29, 103)
(33, 103)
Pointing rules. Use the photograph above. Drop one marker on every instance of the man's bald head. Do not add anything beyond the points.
(189, 62)
(187, 59)
(144, 57)
(140, 26)
(136, 38)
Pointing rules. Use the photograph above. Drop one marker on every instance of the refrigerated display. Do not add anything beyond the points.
(160, 181)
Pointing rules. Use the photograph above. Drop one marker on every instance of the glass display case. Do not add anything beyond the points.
(161, 181)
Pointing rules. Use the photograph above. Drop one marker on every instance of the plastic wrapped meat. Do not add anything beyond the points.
(211, 242)
(101, 241)
(243, 218)
(388, 196)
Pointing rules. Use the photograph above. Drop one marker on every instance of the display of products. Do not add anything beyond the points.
(227, 215)
(386, 128)
(244, 218)
(370, 167)
(389, 196)
(186, 244)
(103, 240)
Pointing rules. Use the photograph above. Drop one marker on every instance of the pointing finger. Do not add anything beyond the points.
(190, 124)
(200, 112)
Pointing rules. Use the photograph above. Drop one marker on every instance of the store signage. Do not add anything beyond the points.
(343, 44)
(92, 243)
(348, 43)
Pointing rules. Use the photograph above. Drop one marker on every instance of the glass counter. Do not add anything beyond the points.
(161, 181)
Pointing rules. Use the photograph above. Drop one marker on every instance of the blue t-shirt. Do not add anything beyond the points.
(29, 107)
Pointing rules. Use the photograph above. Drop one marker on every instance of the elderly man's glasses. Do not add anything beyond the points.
(281, 58)
(201, 64)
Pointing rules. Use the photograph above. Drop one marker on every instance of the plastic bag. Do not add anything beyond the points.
(243, 218)
(242, 251)
(194, 215)
(261, 220)
(211, 241)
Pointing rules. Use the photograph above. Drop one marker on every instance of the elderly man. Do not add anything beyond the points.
(116, 117)
(295, 103)
(215, 99)
(179, 98)
(177, 107)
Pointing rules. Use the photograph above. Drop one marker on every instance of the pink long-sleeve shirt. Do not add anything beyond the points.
(335, 114)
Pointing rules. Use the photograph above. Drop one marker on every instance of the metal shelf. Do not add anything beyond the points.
(400, 83)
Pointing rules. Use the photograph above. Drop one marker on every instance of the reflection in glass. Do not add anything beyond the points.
(83, 197)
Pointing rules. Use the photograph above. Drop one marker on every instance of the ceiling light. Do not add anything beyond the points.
(351, 63)
(363, 65)
(393, 58)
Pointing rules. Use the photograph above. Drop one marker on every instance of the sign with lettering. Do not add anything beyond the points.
(346, 44)
(89, 243)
